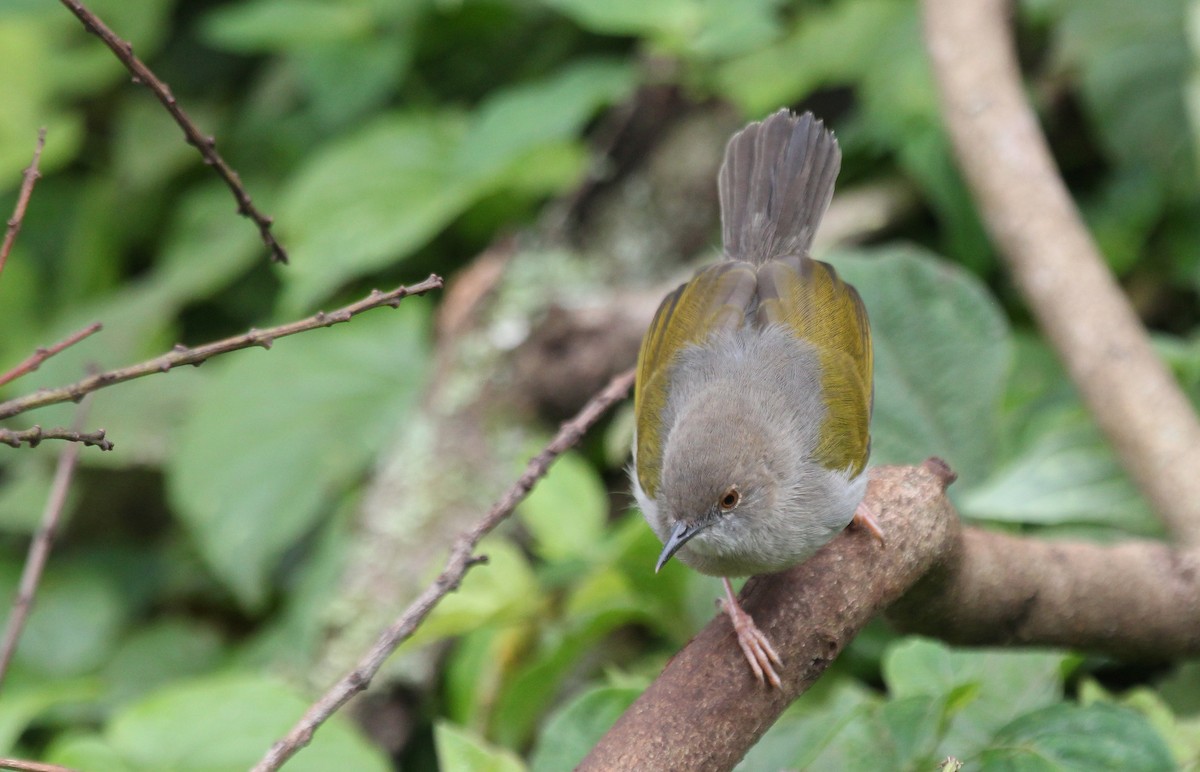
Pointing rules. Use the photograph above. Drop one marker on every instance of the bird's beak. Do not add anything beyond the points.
(680, 535)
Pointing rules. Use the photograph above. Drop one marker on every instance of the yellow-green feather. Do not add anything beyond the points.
(715, 299)
(809, 297)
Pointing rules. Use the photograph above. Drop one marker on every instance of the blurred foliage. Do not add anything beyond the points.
(393, 137)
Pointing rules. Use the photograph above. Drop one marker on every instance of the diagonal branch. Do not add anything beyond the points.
(39, 548)
(34, 360)
(207, 145)
(30, 177)
(182, 355)
(958, 584)
(462, 559)
(1054, 261)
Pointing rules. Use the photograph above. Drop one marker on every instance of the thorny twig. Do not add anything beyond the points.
(30, 177)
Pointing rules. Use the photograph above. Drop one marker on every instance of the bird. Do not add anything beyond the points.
(754, 385)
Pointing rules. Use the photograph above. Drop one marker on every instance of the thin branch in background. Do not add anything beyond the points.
(35, 434)
(207, 145)
(42, 354)
(32, 766)
(1054, 261)
(30, 177)
(462, 559)
(183, 355)
(39, 548)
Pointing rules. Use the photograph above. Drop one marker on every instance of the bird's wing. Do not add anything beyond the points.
(715, 299)
(807, 296)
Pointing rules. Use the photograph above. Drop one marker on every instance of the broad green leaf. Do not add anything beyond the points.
(1069, 737)
(22, 704)
(808, 734)
(942, 351)
(572, 731)
(566, 511)
(86, 751)
(1134, 62)
(227, 723)
(305, 419)
(829, 45)
(704, 28)
(159, 652)
(983, 689)
(280, 25)
(1065, 476)
(77, 617)
(383, 192)
(457, 748)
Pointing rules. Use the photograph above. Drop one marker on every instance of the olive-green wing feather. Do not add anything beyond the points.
(715, 299)
(809, 297)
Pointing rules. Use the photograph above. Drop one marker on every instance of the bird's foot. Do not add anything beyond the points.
(758, 650)
(865, 518)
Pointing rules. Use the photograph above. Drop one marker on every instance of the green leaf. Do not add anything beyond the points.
(705, 28)
(1067, 474)
(280, 25)
(1134, 62)
(458, 748)
(86, 751)
(305, 419)
(382, 193)
(75, 622)
(158, 653)
(811, 733)
(942, 350)
(572, 731)
(1069, 737)
(228, 723)
(983, 689)
(566, 512)
(22, 704)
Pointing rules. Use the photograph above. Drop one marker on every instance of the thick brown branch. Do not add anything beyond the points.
(462, 558)
(207, 145)
(1075, 298)
(967, 586)
(706, 709)
(30, 177)
(34, 360)
(182, 355)
(35, 434)
(1135, 600)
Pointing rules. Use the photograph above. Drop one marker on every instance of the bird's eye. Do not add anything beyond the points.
(730, 499)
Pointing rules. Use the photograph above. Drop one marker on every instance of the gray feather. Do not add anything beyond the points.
(775, 184)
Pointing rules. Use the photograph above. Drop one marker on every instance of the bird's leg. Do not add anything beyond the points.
(758, 650)
(865, 518)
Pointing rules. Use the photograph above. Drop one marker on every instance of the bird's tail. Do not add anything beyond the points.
(775, 184)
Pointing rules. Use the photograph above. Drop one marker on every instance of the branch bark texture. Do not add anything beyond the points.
(1054, 261)
(961, 585)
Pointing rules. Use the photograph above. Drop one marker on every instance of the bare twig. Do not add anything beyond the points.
(35, 434)
(207, 145)
(40, 355)
(39, 548)
(30, 177)
(461, 559)
(32, 766)
(182, 355)
(1135, 600)
(1053, 259)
